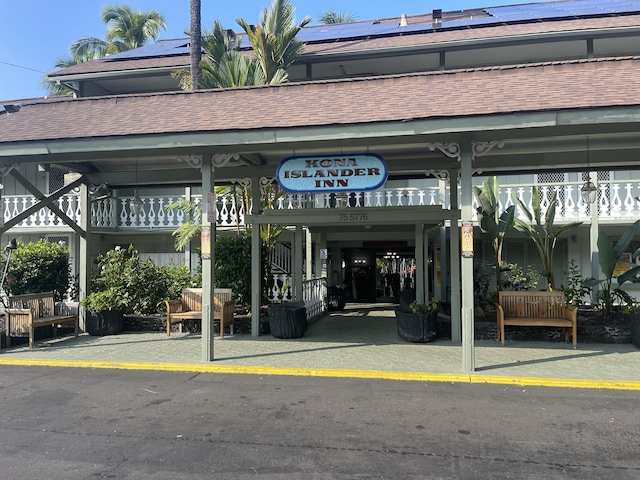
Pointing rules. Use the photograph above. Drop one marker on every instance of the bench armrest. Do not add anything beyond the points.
(18, 311)
(173, 306)
(570, 312)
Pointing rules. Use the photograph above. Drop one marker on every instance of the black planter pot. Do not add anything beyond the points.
(634, 318)
(288, 320)
(418, 328)
(107, 322)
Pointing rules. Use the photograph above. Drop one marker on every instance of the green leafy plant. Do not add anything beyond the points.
(424, 308)
(543, 235)
(577, 287)
(233, 265)
(517, 278)
(39, 267)
(608, 256)
(122, 281)
(482, 275)
(111, 298)
(493, 224)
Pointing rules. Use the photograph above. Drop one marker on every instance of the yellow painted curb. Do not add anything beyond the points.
(319, 372)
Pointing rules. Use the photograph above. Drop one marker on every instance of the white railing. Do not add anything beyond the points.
(45, 217)
(314, 294)
(616, 202)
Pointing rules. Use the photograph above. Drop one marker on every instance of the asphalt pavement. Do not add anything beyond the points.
(71, 423)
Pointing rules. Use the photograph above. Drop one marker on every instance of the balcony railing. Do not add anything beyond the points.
(616, 202)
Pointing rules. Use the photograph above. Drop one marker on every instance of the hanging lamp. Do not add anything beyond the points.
(588, 190)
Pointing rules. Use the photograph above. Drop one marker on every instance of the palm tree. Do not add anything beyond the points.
(225, 66)
(273, 40)
(196, 43)
(333, 16)
(127, 29)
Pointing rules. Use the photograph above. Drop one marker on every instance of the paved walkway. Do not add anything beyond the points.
(358, 342)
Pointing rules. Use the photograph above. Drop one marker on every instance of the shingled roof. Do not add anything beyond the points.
(583, 84)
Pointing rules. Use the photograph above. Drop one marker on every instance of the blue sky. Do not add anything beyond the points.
(36, 33)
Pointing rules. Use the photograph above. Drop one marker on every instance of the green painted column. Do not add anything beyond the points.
(208, 240)
(256, 273)
(454, 263)
(466, 260)
(84, 253)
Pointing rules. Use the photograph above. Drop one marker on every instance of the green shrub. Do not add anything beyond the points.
(140, 287)
(39, 267)
(233, 266)
(577, 287)
(516, 278)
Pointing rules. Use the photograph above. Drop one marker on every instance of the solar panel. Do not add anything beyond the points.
(336, 32)
(158, 49)
(568, 9)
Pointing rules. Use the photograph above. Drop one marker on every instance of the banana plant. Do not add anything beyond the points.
(610, 255)
(493, 224)
(544, 235)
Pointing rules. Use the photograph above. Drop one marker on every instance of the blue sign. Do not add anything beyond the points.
(332, 173)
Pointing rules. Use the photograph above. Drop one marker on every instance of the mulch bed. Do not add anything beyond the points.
(592, 328)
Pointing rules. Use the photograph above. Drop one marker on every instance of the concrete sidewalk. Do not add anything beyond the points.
(358, 342)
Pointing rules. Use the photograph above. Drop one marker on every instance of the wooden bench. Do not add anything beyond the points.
(536, 309)
(32, 310)
(189, 307)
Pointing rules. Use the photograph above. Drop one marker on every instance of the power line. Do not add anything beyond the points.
(20, 66)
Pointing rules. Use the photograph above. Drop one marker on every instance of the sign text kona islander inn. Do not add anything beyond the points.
(332, 173)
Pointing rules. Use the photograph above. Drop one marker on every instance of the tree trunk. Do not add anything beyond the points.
(196, 43)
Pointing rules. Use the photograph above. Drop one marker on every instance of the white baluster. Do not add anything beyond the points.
(508, 198)
(421, 194)
(378, 199)
(410, 197)
(629, 202)
(433, 197)
(152, 215)
(616, 202)
(519, 212)
(125, 213)
(569, 204)
(544, 199)
(389, 196)
(603, 204)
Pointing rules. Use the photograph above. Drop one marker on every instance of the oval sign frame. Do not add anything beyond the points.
(332, 173)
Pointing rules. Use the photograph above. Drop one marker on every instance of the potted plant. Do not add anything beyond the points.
(420, 323)
(287, 319)
(111, 287)
(105, 311)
